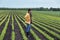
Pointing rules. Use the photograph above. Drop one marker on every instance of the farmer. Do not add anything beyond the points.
(28, 21)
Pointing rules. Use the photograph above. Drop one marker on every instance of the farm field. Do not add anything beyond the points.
(45, 26)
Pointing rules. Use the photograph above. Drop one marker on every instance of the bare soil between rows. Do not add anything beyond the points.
(55, 38)
(18, 35)
(9, 30)
(2, 26)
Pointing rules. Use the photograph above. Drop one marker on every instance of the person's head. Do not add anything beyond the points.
(29, 10)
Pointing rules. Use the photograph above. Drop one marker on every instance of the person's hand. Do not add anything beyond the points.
(31, 22)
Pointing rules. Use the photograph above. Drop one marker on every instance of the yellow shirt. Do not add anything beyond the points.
(27, 18)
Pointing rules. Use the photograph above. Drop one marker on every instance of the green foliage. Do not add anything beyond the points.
(44, 22)
(4, 30)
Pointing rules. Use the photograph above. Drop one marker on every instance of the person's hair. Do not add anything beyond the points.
(29, 10)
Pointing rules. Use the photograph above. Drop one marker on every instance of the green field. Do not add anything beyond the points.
(45, 26)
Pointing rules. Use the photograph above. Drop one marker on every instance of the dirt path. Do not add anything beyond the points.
(39, 34)
(9, 30)
(17, 31)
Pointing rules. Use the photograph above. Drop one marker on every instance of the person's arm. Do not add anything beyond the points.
(25, 16)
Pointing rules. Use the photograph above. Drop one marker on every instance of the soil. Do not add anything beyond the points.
(50, 28)
(2, 26)
(18, 35)
(17, 31)
(55, 38)
(23, 26)
(9, 30)
(39, 34)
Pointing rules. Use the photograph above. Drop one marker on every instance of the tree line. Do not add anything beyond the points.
(38, 9)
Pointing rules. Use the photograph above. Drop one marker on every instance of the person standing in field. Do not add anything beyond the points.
(28, 21)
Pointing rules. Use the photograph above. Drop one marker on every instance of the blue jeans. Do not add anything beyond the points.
(28, 27)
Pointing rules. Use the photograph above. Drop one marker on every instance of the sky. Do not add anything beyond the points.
(29, 3)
